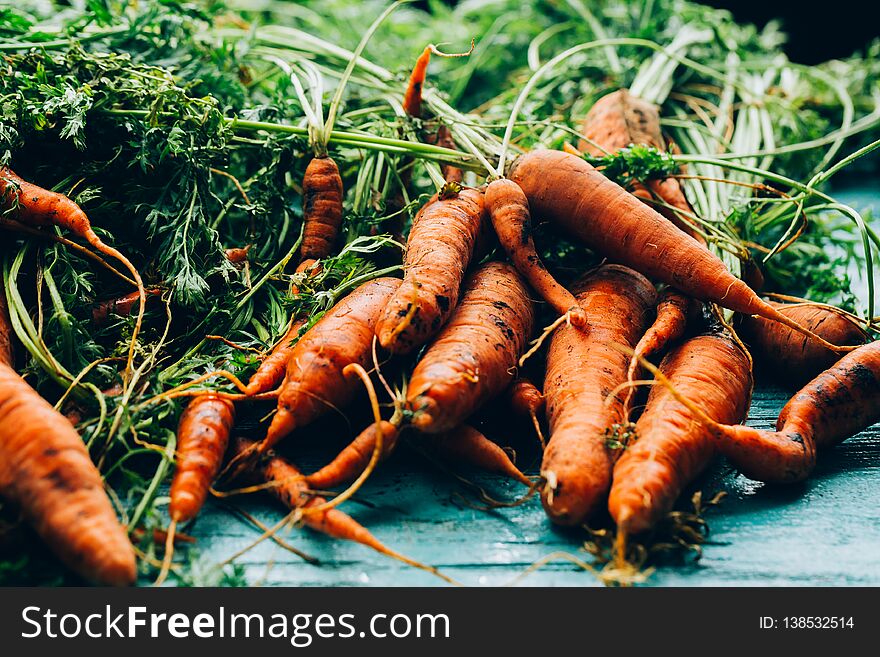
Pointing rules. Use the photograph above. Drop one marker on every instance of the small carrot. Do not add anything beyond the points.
(671, 447)
(465, 445)
(352, 460)
(441, 243)
(238, 255)
(322, 208)
(791, 357)
(474, 356)
(7, 355)
(568, 191)
(412, 98)
(314, 382)
(527, 401)
(121, 306)
(271, 371)
(583, 369)
(509, 211)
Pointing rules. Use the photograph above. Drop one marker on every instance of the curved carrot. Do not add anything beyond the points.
(352, 460)
(509, 211)
(271, 371)
(790, 356)
(466, 445)
(122, 306)
(314, 382)
(567, 190)
(474, 356)
(412, 99)
(322, 208)
(527, 401)
(582, 371)
(440, 246)
(202, 438)
(46, 471)
(671, 446)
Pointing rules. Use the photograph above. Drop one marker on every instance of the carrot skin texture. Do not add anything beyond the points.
(466, 445)
(412, 98)
(202, 438)
(582, 370)
(441, 244)
(789, 355)
(322, 208)
(314, 382)
(565, 189)
(354, 458)
(837, 404)
(672, 447)
(526, 399)
(271, 371)
(508, 209)
(46, 471)
(473, 357)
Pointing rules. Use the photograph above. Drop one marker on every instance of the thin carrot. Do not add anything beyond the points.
(509, 211)
(789, 356)
(322, 208)
(46, 471)
(7, 355)
(474, 356)
(440, 246)
(271, 371)
(465, 445)
(352, 460)
(412, 98)
(671, 447)
(121, 306)
(315, 382)
(568, 191)
(582, 370)
(527, 401)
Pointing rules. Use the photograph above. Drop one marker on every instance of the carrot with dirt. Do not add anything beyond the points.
(467, 446)
(46, 471)
(509, 211)
(354, 458)
(671, 448)
(527, 401)
(583, 369)
(322, 208)
(314, 382)
(568, 191)
(271, 371)
(439, 249)
(789, 355)
(474, 357)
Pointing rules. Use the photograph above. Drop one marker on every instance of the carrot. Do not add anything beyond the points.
(271, 371)
(238, 255)
(837, 404)
(121, 306)
(412, 99)
(619, 120)
(322, 208)
(202, 438)
(527, 401)
(46, 471)
(509, 211)
(565, 189)
(671, 448)
(468, 446)
(352, 460)
(7, 355)
(790, 356)
(473, 357)
(582, 371)
(440, 246)
(314, 382)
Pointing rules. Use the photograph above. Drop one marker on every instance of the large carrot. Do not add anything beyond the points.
(582, 371)
(465, 445)
(835, 405)
(46, 471)
(566, 190)
(314, 382)
(789, 355)
(509, 210)
(440, 246)
(271, 371)
(619, 120)
(202, 438)
(671, 447)
(354, 458)
(322, 208)
(474, 356)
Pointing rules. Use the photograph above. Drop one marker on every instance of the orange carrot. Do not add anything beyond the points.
(474, 356)
(440, 245)
(121, 306)
(835, 405)
(509, 210)
(352, 460)
(788, 355)
(527, 401)
(46, 471)
(271, 371)
(465, 445)
(671, 447)
(582, 371)
(322, 208)
(202, 438)
(412, 99)
(238, 255)
(566, 190)
(314, 382)
(7, 355)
